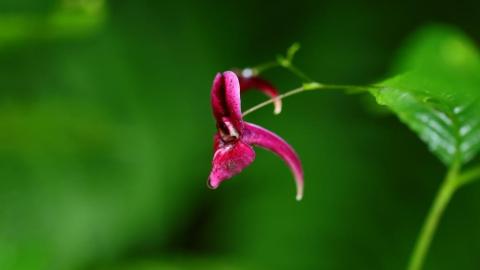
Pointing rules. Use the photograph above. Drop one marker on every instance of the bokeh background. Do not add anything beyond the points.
(106, 136)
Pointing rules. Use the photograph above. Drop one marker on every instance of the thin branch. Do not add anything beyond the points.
(309, 87)
(469, 176)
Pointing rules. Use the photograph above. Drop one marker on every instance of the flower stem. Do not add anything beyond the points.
(264, 67)
(307, 87)
(444, 194)
(267, 102)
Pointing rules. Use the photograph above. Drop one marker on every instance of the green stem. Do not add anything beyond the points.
(469, 176)
(264, 67)
(283, 63)
(265, 103)
(447, 189)
(307, 87)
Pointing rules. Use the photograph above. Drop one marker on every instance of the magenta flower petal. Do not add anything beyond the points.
(218, 97)
(254, 82)
(261, 137)
(229, 159)
(232, 98)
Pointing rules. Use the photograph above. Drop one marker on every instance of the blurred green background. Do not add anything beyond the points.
(106, 136)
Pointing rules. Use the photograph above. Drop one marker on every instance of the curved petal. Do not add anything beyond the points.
(229, 160)
(218, 97)
(232, 98)
(247, 83)
(261, 137)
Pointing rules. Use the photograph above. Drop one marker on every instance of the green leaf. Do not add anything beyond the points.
(437, 94)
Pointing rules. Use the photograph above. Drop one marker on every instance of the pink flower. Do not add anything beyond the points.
(234, 140)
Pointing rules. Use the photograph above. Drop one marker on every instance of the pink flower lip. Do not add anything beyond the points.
(234, 139)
